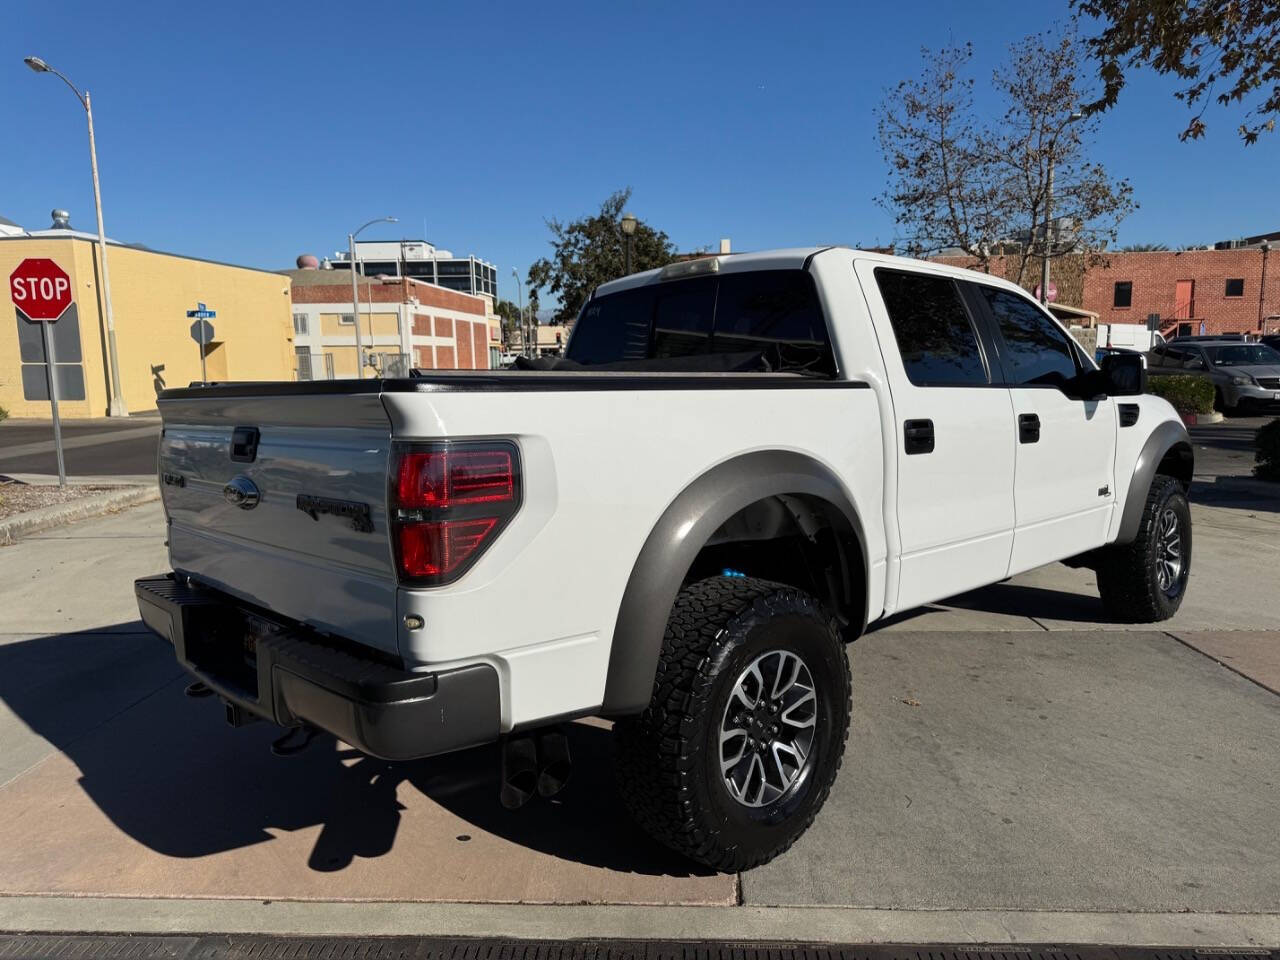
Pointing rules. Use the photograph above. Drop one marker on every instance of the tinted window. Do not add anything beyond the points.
(682, 318)
(1035, 348)
(613, 328)
(932, 327)
(776, 312)
(1123, 295)
(1235, 287)
(766, 320)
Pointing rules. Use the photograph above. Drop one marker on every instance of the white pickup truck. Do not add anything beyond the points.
(741, 462)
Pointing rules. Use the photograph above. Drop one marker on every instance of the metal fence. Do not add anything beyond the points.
(312, 367)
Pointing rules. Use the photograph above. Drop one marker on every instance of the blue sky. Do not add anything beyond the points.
(253, 132)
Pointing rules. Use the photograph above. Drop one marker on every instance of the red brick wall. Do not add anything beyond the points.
(444, 327)
(421, 325)
(480, 345)
(422, 358)
(432, 296)
(465, 360)
(428, 295)
(445, 358)
(1154, 276)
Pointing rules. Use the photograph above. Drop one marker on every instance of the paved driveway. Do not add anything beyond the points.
(1007, 751)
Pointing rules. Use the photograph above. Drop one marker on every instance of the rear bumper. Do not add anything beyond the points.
(283, 673)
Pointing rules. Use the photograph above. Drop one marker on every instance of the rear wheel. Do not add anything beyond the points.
(1145, 581)
(742, 740)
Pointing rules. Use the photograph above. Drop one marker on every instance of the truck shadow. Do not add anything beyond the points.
(168, 772)
(1011, 599)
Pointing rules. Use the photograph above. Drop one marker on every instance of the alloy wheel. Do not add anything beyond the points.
(767, 731)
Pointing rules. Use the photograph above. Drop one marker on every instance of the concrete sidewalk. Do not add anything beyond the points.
(1016, 771)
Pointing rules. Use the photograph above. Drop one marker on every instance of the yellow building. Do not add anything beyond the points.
(151, 293)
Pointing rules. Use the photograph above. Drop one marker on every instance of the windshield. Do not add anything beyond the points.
(1242, 354)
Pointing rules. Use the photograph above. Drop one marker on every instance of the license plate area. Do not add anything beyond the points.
(224, 647)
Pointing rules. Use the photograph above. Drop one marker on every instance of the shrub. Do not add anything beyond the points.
(1188, 392)
(1267, 440)
(4, 414)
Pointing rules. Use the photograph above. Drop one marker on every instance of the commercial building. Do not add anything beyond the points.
(151, 292)
(421, 261)
(1232, 288)
(403, 323)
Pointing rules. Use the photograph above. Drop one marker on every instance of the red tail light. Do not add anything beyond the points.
(451, 500)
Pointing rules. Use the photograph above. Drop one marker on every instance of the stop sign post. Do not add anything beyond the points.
(41, 290)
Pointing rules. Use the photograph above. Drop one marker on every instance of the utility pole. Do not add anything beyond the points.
(524, 327)
(1048, 210)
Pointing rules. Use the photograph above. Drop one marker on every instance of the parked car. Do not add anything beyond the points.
(1101, 352)
(1272, 340)
(1244, 375)
(1208, 338)
(1130, 336)
(740, 463)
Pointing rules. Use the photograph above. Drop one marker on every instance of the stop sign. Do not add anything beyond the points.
(40, 288)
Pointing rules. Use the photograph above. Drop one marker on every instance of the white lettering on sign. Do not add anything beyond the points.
(40, 288)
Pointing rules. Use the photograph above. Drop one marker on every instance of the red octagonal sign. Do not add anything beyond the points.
(40, 288)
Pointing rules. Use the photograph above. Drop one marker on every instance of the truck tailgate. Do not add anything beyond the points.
(314, 547)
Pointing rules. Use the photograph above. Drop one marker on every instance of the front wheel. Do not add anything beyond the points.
(1145, 581)
(742, 740)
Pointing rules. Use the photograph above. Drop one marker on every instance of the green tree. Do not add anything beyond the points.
(590, 251)
(1225, 51)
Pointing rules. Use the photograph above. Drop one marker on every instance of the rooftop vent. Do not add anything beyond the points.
(61, 220)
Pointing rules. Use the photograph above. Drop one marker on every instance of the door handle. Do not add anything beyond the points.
(1028, 428)
(917, 436)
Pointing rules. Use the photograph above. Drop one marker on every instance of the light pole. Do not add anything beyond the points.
(524, 328)
(355, 293)
(116, 406)
(628, 231)
(1048, 210)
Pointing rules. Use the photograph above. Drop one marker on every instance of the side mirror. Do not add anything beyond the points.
(1195, 363)
(1124, 374)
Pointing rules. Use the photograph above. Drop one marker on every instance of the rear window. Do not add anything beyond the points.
(766, 320)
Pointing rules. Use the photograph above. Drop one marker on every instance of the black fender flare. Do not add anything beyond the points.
(1164, 438)
(673, 544)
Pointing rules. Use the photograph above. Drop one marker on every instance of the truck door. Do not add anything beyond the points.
(954, 436)
(1064, 491)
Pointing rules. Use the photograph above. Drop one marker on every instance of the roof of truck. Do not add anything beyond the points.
(795, 258)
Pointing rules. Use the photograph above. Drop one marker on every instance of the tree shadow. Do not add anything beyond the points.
(1237, 493)
(170, 773)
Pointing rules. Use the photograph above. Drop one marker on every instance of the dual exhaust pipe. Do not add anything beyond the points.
(534, 763)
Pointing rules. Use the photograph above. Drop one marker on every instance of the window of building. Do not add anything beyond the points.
(347, 319)
(300, 323)
(1235, 287)
(1123, 294)
(1036, 351)
(934, 333)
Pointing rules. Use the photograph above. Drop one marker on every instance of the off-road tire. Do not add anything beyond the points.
(668, 759)
(1128, 580)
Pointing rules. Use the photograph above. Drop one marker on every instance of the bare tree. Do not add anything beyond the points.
(956, 180)
(940, 189)
(1061, 202)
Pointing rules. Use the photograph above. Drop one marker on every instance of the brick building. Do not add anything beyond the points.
(1212, 291)
(403, 323)
(1193, 291)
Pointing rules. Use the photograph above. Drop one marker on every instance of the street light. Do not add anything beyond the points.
(524, 328)
(355, 293)
(116, 406)
(1048, 209)
(628, 231)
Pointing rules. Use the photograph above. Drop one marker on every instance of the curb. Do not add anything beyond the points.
(33, 521)
(1200, 419)
(854, 925)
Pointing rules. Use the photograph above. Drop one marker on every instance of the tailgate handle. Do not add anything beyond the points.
(244, 444)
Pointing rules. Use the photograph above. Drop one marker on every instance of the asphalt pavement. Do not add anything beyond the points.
(91, 448)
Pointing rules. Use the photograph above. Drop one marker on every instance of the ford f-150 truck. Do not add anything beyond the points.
(739, 464)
